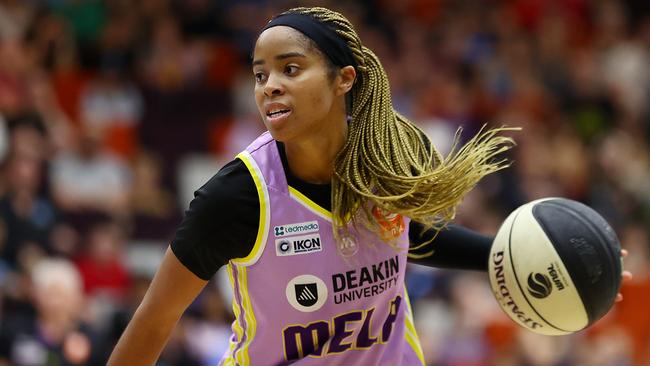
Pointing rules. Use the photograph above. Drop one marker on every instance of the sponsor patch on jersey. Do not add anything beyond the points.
(294, 245)
(391, 224)
(295, 229)
(366, 281)
(306, 293)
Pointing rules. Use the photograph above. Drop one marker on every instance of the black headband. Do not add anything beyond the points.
(327, 40)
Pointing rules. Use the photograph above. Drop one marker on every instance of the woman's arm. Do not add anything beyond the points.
(454, 247)
(457, 247)
(172, 290)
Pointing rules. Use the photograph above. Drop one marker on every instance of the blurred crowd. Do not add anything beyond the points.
(113, 112)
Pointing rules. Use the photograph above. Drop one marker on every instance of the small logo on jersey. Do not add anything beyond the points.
(348, 245)
(391, 224)
(282, 247)
(539, 285)
(306, 293)
(295, 245)
(295, 229)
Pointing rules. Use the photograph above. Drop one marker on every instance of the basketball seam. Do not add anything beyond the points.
(544, 227)
(514, 272)
(602, 242)
(613, 263)
(591, 226)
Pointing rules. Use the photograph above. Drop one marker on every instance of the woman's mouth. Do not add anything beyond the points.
(278, 115)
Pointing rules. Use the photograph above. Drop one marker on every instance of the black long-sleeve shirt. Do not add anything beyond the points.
(222, 222)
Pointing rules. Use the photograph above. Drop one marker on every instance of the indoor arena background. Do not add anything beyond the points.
(113, 112)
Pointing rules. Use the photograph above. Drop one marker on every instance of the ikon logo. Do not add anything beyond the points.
(539, 285)
(306, 293)
(294, 245)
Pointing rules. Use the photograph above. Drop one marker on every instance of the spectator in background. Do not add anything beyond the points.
(100, 263)
(153, 206)
(111, 102)
(111, 106)
(182, 101)
(211, 327)
(472, 309)
(14, 72)
(54, 49)
(54, 334)
(86, 19)
(105, 278)
(15, 16)
(88, 181)
(25, 211)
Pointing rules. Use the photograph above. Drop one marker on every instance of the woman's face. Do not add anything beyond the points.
(293, 90)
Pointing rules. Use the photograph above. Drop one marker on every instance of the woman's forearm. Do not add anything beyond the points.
(142, 342)
(173, 288)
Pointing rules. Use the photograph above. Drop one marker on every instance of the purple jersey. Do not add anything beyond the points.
(298, 301)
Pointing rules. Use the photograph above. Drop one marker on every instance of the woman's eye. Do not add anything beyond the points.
(290, 69)
(260, 77)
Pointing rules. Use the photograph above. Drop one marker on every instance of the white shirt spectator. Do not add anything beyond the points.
(100, 182)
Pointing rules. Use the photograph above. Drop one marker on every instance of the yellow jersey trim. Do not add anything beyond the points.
(311, 205)
(410, 334)
(265, 214)
(236, 325)
(249, 315)
(243, 311)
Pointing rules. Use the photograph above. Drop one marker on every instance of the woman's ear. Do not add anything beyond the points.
(347, 76)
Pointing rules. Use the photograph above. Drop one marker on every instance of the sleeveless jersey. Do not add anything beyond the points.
(298, 301)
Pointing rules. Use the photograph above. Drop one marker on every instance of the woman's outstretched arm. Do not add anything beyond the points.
(172, 290)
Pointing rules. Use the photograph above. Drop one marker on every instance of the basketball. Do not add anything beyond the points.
(555, 266)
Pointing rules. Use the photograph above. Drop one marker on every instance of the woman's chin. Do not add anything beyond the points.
(280, 131)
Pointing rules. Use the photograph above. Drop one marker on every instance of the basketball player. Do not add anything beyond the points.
(315, 219)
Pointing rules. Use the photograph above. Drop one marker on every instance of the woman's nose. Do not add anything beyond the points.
(273, 86)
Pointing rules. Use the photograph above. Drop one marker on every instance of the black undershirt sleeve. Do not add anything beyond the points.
(455, 247)
(221, 223)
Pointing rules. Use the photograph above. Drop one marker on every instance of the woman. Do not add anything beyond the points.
(316, 217)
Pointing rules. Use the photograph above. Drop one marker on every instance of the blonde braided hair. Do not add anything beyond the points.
(386, 159)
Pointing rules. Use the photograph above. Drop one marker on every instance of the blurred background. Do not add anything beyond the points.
(113, 112)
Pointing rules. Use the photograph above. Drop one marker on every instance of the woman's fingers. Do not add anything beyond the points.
(627, 275)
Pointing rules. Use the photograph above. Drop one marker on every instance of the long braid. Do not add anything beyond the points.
(386, 159)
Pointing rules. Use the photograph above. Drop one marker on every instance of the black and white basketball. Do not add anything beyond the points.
(555, 266)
